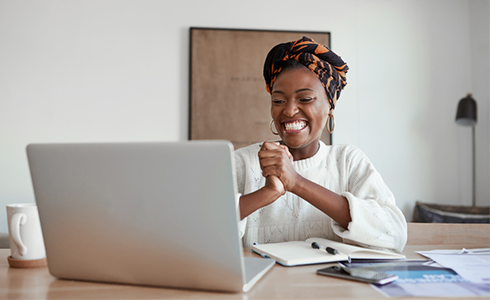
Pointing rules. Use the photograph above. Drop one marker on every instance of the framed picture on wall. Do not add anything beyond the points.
(227, 94)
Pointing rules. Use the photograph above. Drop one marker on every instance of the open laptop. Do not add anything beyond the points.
(158, 214)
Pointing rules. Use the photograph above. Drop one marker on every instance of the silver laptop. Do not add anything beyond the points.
(158, 214)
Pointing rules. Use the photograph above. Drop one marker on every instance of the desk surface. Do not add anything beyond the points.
(280, 283)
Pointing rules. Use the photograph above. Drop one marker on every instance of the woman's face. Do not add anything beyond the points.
(300, 110)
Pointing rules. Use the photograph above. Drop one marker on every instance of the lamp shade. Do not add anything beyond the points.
(467, 111)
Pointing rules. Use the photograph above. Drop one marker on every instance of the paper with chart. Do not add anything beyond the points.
(471, 264)
(425, 279)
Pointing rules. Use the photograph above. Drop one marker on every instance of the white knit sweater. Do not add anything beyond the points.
(376, 220)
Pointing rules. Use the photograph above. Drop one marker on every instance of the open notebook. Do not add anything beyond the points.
(302, 253)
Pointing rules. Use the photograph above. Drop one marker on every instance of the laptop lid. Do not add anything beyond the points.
(160, 214)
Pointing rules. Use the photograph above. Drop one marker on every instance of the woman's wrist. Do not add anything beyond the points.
(300, 184)
(271, 193)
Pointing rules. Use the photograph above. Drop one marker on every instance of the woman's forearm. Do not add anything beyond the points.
(258, 199)
(330, 203)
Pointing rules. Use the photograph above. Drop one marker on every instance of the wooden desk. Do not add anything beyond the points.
(280, 283)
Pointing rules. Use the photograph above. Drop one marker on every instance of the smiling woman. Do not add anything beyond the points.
(297, 187)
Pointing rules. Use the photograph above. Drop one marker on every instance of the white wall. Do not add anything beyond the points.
(76, 71)
(480, 62)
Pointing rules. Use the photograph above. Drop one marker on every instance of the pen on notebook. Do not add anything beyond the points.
(330, 250)
(315, 245)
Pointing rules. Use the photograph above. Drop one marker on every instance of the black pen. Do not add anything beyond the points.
(330, 250)
(315, 245)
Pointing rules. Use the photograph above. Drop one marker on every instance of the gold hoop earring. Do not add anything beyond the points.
(270, 127)
(330, 130)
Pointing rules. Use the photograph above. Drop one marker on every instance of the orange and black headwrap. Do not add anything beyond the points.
(325, 64)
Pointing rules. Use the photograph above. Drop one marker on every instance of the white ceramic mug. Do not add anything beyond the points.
(26, 238)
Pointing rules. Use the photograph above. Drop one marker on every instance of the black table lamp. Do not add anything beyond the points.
(467, 116)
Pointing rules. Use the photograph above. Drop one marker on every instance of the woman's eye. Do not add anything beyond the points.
(305, 99)
(277, 101)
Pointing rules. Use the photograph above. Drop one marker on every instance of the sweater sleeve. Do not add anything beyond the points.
(240, 174)
(376, 220)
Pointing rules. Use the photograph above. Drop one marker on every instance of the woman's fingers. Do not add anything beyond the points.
(270, 145)
(272, 151)
(276, 160)
(270, 158)
(272, 170)
(286, 149)
(275, 183)
(274, 154)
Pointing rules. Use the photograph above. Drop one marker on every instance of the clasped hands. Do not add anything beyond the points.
(276, 163)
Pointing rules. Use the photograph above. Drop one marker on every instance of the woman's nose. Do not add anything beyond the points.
(291, 109)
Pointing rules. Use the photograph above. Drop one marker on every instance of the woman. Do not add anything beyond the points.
(298, 187)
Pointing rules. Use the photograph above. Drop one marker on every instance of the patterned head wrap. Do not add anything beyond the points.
(325, 64)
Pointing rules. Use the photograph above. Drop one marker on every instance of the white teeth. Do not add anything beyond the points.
(296, 125)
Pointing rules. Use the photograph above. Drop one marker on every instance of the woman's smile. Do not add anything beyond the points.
(294, 126)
